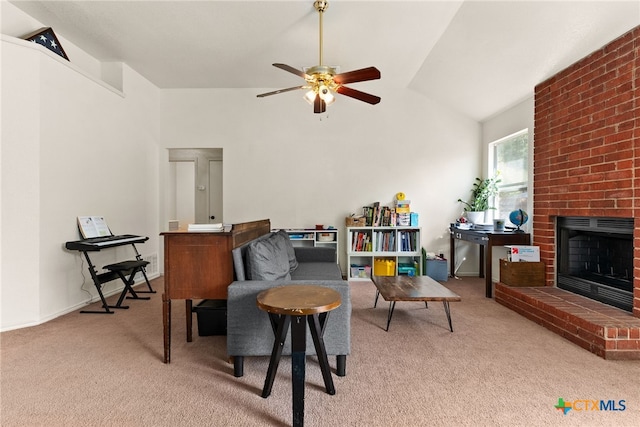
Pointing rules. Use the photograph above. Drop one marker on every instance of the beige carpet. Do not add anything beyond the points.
(497, 368)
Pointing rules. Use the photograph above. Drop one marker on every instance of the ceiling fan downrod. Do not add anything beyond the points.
(321, 6)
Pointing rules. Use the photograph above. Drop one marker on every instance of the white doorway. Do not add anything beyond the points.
(195, 181)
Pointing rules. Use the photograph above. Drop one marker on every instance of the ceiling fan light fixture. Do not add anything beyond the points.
(323, 82)
(326, 95)
(310, 96)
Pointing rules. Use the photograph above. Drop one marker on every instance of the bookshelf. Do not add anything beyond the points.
(313, 238)
(366, 245)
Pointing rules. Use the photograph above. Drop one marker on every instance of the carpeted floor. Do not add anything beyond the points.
(496, 368)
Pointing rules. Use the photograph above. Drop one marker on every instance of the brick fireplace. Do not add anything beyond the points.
(587, 164)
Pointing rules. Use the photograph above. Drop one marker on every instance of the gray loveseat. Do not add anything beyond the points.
(269, 261)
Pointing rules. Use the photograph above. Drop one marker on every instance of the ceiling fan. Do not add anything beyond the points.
(322, 81)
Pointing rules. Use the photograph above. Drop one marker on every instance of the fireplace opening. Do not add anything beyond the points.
(595, 258)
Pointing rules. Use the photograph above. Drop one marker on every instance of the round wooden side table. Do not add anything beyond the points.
(289, 305)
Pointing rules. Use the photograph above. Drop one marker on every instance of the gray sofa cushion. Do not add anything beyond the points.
(284, 239)
(267, 259)
(317, 271)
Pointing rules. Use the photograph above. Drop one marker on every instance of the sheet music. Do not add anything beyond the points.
(93, 226)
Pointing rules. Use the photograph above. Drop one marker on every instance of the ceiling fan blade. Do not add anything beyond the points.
(291, 69)
(361, 75)
(275, 92)
(361, 96)
(319, 106)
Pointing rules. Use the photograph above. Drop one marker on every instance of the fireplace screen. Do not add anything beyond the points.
(595, 258)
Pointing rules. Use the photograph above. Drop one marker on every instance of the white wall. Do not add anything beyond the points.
(299, 169)
(70, 147)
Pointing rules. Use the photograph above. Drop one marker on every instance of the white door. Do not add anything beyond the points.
(182, 180)
(215, 191)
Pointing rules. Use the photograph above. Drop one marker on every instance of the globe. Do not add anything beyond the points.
(518, 218)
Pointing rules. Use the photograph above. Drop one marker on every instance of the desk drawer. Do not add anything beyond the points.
(475, 238)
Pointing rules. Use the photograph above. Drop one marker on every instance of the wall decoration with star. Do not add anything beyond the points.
(47, 38)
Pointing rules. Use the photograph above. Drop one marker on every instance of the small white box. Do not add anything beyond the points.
(523, 253)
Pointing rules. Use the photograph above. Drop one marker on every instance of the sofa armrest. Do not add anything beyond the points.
(315, 254)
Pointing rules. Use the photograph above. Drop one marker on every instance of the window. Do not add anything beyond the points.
(509, 157)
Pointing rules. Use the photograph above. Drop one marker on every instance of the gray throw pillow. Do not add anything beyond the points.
(285, 240)
(267, 261)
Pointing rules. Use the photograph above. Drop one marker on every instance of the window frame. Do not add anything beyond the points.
(522, 186)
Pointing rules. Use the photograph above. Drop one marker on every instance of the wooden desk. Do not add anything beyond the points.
(199, 265)
(487, 240)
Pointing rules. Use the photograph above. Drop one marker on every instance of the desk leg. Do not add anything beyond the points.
(489, 266)
(166, 326)
(452, 256)
(298, 356)
(189, 312)
(481, 261)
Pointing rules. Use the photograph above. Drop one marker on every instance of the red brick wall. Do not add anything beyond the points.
(587, 146)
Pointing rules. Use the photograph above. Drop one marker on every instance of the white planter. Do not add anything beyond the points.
(475, 217)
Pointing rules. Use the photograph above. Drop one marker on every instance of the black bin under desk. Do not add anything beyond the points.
(212, 317)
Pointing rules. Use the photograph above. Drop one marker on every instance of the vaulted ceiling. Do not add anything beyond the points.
(477, 57)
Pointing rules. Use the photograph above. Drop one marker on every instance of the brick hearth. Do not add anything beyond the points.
(586, 163)
(604, 330)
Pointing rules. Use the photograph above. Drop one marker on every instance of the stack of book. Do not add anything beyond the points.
(403, 212)
(205, 228)
(379, 216)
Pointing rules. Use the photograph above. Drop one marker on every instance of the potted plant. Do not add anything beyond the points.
(478, 204)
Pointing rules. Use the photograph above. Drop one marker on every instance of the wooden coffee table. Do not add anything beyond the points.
(412, 288)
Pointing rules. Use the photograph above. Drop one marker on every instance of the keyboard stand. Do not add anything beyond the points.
(143, 271)
(115, 271)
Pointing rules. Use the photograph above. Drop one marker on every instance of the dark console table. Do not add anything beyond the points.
(487, 240)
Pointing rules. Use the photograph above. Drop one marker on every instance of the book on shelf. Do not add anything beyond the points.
(376, 214)
(408, 241)
(385, 241)
(361, 242)
(368, 213)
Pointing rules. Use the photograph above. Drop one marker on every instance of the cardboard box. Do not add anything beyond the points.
(521, 274)
(523, 253)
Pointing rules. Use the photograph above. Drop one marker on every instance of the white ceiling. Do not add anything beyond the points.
(477, 57)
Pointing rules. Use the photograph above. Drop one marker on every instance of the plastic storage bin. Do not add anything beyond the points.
(407, 269)
(384, 267)
(437, 269)
(360, 271)
(212, 317)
